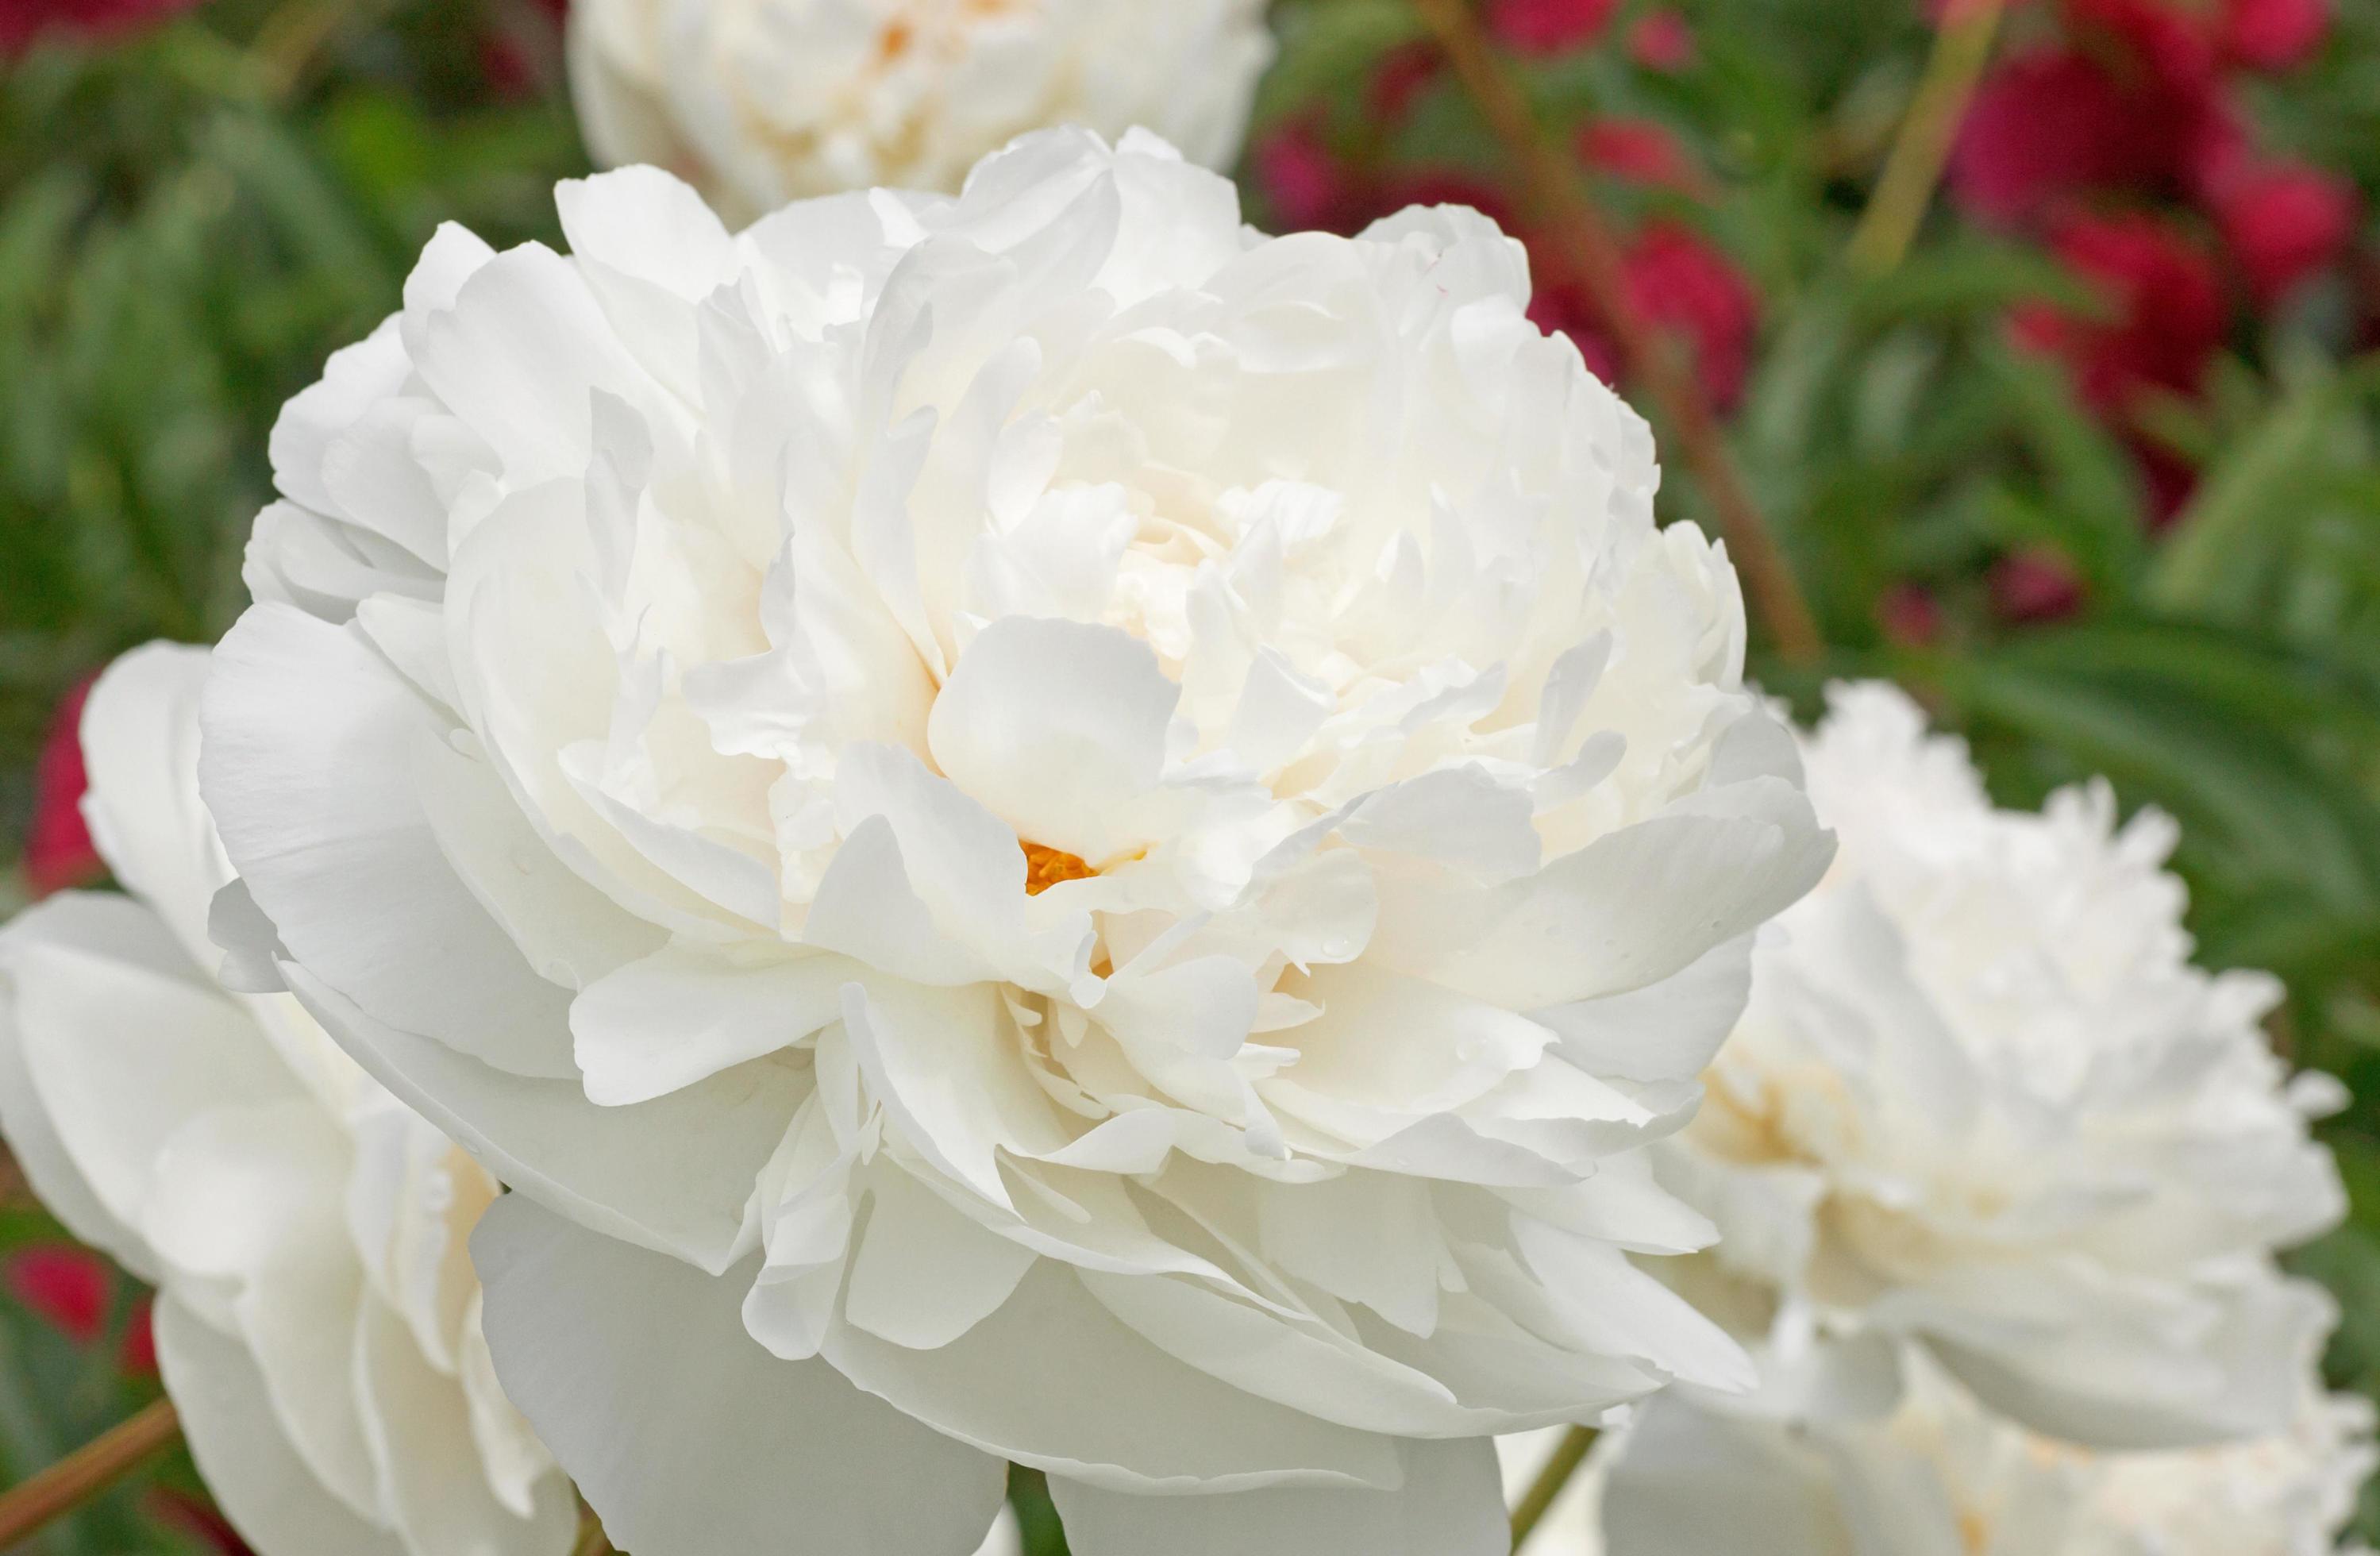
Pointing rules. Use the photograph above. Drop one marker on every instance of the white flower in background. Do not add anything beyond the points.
(318, 1321)
(1945, 1476)
(2285, 1495)
(1085, 836)
(761, 101)
(1982, 1099)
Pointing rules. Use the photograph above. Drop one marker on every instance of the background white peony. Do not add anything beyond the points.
(761, 102)
(1945, 1476)
(1983, 1100)
(318, 1321)
(1037, 828)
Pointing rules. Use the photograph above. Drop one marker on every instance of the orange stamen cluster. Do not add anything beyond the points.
(1045, 867)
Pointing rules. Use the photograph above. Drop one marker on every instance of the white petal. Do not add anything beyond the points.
(685, 1014)
(2112, 1383)
(1691, 1480)
(866, 909)
(687, 1437)
(1006, 1539)
(356, 378)
(34, 1136)
(308, 767)
(1305, 1365)
(1621, 1310)
(1054, 1380)
(1458, 816)
(1632, 908)
(430, 1462)
(1668, 1031)
(257, 1479)
(519, 357)
(118, 1056)
(567, 932)
(1056, 727)
(141, 744)
(1387, 1049)
(945, 1064)
(250, 1201)
(924, 1274)
(1449, 1505)
(641, 222)
(674, 1173)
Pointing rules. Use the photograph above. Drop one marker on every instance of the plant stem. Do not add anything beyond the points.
(592, 1541)
(87, 1471)
(1552, 187)
(1547, 1489)
(1905, 191)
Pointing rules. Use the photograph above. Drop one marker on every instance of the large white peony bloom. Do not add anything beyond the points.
(1945, 1476)
(1037, 827)
(761, 102)
(318, 1322)
(1982, 1098)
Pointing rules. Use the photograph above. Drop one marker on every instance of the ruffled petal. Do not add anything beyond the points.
(257, 1478)
(1054, 1380)
(116, 1056)
(674, 1175)
(428, 1459)
(687, 1437)
(308, 767)
(1450, 1504)
(140, 746)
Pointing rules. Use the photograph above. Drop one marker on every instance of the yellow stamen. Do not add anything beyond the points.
(1045, 867)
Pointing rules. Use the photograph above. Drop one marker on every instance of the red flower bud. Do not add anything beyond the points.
(22, 21)
(1549, 27)
(58, 851)
(2274, 34)
(2162, 318)
(2283, 222)
(68, 1286)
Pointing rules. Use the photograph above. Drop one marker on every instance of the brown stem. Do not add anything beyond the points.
(1547, 1489)
(88, 1471)
(1905, 191)
(1553, 189)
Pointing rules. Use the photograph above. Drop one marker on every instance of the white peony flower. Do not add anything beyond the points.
(1945, 1476)
(761, 102)
(318, 1321)
(1982, 1099)
(1037, 827)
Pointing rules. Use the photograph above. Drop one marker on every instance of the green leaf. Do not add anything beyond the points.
(2228, 735)
(2255, 499)
(2091, 500)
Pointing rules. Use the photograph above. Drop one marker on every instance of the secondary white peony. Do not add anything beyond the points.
(1945, 1476)
(1035, 827)
(1982, 1099)
(761, 102)
(318, 1322)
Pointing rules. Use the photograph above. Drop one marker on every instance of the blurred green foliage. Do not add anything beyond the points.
(192, 219)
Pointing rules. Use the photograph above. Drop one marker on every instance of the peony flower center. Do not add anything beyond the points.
(1045, 867)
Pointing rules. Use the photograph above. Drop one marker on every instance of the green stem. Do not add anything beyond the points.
(1963, 47)
(1548, 1488)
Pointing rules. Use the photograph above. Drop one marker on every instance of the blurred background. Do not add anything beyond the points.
(2076, 440)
